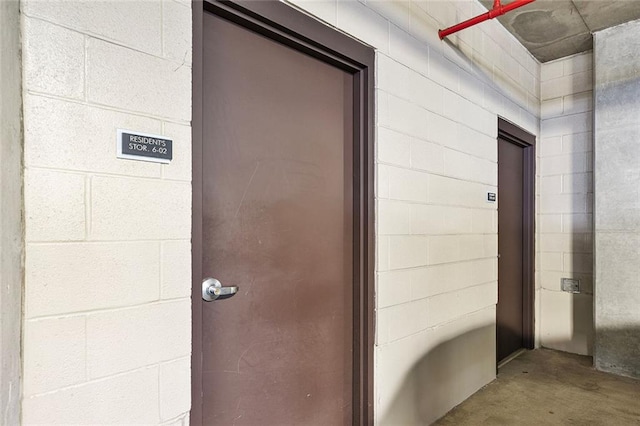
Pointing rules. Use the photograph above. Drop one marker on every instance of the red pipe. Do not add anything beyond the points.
(497, 10)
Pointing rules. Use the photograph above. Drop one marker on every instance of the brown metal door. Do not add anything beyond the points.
(277, 222)
(510, 246)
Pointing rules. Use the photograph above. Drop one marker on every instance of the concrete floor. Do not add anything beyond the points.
(545, 387)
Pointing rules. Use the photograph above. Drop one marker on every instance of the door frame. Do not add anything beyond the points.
(520, 137)
(289, 26)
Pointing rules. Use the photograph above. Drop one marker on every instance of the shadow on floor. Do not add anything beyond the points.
(546, 387)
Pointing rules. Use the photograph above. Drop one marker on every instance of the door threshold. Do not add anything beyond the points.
(511, 357)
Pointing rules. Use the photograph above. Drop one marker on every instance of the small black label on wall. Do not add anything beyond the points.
(144, 147)
(491, 197)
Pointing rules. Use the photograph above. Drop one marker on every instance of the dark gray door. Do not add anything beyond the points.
(509, 314)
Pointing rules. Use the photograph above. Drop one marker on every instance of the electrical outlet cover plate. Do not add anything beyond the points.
(571, 285)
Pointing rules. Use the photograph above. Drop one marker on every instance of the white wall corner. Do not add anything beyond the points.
(11, 220)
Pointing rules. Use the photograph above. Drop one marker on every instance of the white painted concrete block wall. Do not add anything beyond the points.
(436, 124)
(566, 202)
(107, 330)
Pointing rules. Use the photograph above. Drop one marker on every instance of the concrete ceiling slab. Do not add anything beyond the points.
(569, 46)
(552, 29)
(599, 14)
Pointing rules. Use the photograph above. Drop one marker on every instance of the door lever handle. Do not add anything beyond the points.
(212, 289)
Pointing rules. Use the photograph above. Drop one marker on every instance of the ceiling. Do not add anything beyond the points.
(552, 29)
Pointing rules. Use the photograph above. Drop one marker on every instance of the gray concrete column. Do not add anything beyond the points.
(617, 199)
(11, 230)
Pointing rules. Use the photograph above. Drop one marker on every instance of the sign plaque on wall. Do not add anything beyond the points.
(144, 147)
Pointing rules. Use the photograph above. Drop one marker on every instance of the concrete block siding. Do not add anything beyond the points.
(436, 123)
(107, 308)
(107, 325)
(566, 202)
